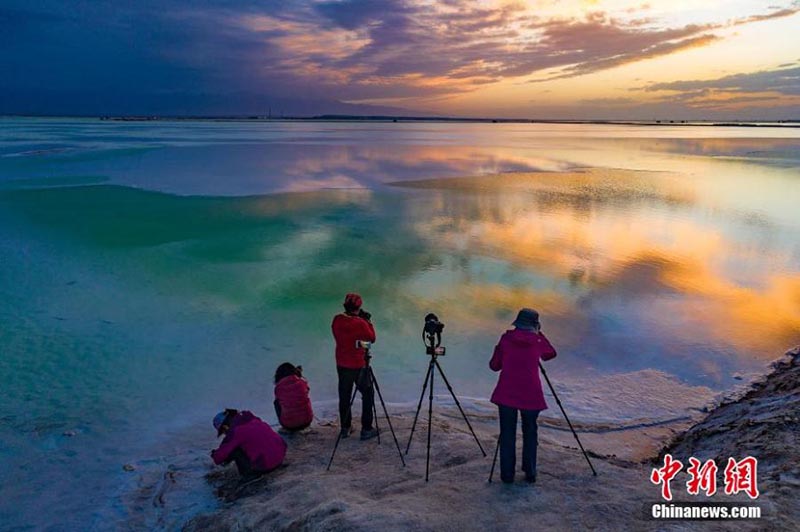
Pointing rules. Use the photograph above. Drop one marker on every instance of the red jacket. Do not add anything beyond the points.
(346, 330)
(292, 395)
(262, 445)
(517, 354)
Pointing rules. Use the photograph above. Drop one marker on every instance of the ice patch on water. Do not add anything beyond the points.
(338, 181)
(638, 396)
(606, 402)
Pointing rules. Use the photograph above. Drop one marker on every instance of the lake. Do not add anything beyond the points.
(156, 272)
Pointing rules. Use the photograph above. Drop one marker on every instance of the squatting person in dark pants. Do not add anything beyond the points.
(249, 441)
(519, 389)
(349, 327)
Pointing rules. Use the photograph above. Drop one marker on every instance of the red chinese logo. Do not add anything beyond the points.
(665, 474)
(741, 476)
(702, 478)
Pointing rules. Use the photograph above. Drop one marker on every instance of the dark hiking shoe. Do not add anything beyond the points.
(368, 434)
(507, 480)
(530, 479)
(345, 432)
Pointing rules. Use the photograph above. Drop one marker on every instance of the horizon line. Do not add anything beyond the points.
(345, 117)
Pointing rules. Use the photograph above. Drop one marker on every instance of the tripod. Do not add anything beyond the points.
(367, 373)
(434, 364)
(546, 378)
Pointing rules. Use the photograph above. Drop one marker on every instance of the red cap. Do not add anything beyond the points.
(353, 301)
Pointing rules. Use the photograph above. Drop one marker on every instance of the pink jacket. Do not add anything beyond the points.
(292, 395)
(262, 445)
(517, 354)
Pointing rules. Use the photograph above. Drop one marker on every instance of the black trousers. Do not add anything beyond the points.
(508, 441)
(347, 378)
(243, 465)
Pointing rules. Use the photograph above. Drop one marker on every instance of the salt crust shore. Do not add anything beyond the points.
(368, 489)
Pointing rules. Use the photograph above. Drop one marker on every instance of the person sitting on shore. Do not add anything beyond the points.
(519, 389)
(350, 327)
(292, 403)
(249, 442)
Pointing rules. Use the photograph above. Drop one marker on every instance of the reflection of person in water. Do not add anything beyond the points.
(249, 441)
(519, 389)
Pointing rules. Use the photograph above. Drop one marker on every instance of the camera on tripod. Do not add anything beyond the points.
(432, 335)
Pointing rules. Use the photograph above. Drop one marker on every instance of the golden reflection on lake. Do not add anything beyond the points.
(658, 243)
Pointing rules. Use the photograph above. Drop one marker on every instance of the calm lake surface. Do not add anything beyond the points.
(154, 273)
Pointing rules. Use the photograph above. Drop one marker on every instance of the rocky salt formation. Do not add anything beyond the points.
(763, 423)
(368, 488)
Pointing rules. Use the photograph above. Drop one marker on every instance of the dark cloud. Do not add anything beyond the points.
(465, 46)
(583, 47)
(779, 13)
(784, 81)
(224, 56)
(355, 14)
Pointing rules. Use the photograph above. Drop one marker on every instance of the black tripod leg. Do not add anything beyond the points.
(375, 408)
(567, 418)
(494, 460)
(335, 446)
(339, 437)
(386, 413)
(430, 423)
(441, 372)
(419, 405)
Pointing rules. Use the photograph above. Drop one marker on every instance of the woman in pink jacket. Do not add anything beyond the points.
(292, 403)
(517, 357)
(249, 441)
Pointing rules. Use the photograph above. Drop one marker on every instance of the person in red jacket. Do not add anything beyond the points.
(350, 327)
(249, 441)
(519, 389)
(292, 403)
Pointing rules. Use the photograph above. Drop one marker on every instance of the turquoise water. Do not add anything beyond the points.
(153, 273)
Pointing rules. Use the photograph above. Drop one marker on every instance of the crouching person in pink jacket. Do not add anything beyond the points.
(519, 389)
(292, 402)
(249, 441)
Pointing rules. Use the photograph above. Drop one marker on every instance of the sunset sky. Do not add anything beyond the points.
(579, 59)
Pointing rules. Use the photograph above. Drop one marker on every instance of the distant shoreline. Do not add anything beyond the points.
(789, 123)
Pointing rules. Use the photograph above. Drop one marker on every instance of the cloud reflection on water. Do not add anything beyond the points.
(673, 268)
(623, 260)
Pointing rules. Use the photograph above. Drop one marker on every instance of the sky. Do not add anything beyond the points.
(539, 59)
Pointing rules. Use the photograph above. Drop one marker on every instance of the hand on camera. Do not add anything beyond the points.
(364, 314)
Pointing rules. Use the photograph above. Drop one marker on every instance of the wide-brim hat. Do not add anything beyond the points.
(527, 319)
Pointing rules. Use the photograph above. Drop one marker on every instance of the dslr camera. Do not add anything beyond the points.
(432, 335)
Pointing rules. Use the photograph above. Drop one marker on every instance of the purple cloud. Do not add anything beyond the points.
(784, 81)
(218, 56)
